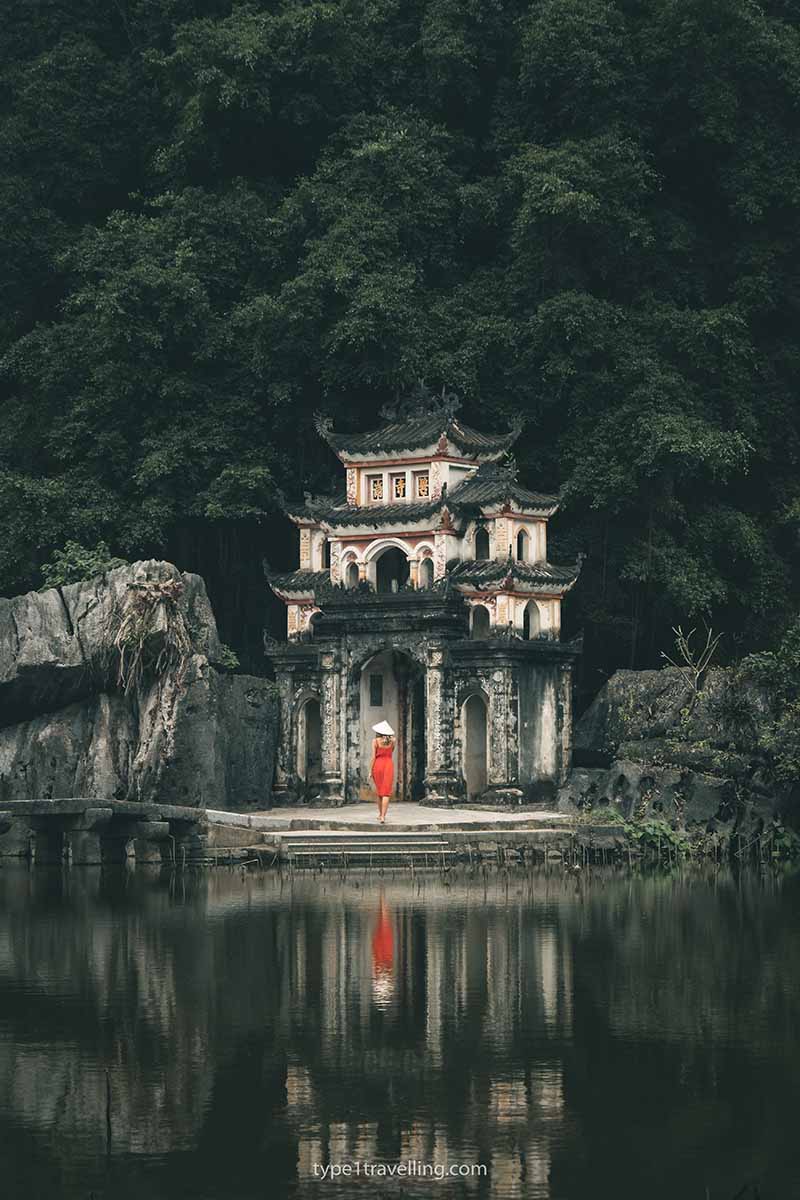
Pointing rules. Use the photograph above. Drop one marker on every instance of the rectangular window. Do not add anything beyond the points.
(422, 485)
(376, 487)
(375, 691)
(398, 487)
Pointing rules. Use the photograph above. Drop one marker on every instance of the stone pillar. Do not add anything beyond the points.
(285, 769)
(564, 722)
(85, 847)
(49, 846)
(440, 779)
(150, 837)
(332, 775)
(413, 572)
(503, 772)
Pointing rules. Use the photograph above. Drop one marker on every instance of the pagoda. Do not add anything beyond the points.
(424, 596)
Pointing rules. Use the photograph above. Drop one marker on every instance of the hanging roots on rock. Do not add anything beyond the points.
(153, 636)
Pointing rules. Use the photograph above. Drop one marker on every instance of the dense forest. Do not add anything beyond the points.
(219, 218)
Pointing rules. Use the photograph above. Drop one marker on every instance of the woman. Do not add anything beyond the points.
(382, 768)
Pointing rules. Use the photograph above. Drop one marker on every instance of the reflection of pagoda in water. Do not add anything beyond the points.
(242, 1012)
(424, 597)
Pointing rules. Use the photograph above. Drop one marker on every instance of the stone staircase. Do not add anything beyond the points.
(359, 848)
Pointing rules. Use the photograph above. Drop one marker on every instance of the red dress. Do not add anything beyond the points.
(383, 770)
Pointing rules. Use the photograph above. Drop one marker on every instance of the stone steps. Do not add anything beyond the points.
(364, 848)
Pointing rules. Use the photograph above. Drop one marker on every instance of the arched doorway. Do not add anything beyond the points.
(309, 743)
(474, 729)
(531, 620)
(390, 687)
(426, 573)
(351, 575)
(479, 627)
(482, 544)
(391, 570)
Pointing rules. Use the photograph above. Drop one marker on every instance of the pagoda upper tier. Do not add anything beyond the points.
(427, 497)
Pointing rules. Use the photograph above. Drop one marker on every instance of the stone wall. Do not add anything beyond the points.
(200, 736)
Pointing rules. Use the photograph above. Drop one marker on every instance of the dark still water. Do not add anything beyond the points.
(574, 1038)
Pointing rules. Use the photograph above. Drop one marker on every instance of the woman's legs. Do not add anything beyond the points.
(384, 805)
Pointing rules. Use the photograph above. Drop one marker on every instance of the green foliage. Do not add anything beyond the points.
(784, 842)
(74, 563)
(228, 658)
(221, 217)
(779, 731)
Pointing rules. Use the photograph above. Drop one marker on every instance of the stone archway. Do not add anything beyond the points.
(474, 729)
(391, 687)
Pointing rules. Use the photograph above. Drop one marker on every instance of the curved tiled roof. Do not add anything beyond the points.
(296, 581)
(492, 483)
(380, 514)
(418, 432)
(488, 571)
(489, 485)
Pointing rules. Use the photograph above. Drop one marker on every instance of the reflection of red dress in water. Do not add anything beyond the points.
(382, 944)
(383, 770)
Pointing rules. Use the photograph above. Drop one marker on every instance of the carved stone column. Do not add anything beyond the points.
(284, 791)
(503, 763)
(332, 777)
(440, 779)
(564, 721)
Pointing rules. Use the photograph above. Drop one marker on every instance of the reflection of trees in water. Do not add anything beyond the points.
(244, 1014)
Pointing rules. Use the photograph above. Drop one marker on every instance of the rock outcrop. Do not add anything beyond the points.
(55, 645)
(196, 736)
(648, 747)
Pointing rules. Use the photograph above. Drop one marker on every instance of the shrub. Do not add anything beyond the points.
(76, 562)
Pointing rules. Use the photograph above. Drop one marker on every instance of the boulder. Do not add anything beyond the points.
(642, 706)
(56, 646)
(647, 748)
(194, 735)
(208, 741)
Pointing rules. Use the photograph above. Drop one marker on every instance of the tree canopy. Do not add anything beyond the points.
(220, 217)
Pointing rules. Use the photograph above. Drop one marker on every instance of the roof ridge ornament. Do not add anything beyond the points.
(422, 401)
(323, 423)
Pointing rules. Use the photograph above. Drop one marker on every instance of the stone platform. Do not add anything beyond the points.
(86, 831)
(402, 817)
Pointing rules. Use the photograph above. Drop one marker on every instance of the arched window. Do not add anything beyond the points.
(326, 554)
(480, 621)
(523, 543)
(531, 620)
(482, 543)
(391, 570)
(426, 573)
(351, 575)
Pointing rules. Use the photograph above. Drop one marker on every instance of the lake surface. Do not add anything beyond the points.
(224, 1037)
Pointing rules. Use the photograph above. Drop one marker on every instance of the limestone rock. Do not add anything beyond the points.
(631, 706)
(645, 750)
(207, 741)
(639, 706)
(193, 736)
(56, 646)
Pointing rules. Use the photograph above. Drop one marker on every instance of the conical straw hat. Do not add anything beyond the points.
(385, 728)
